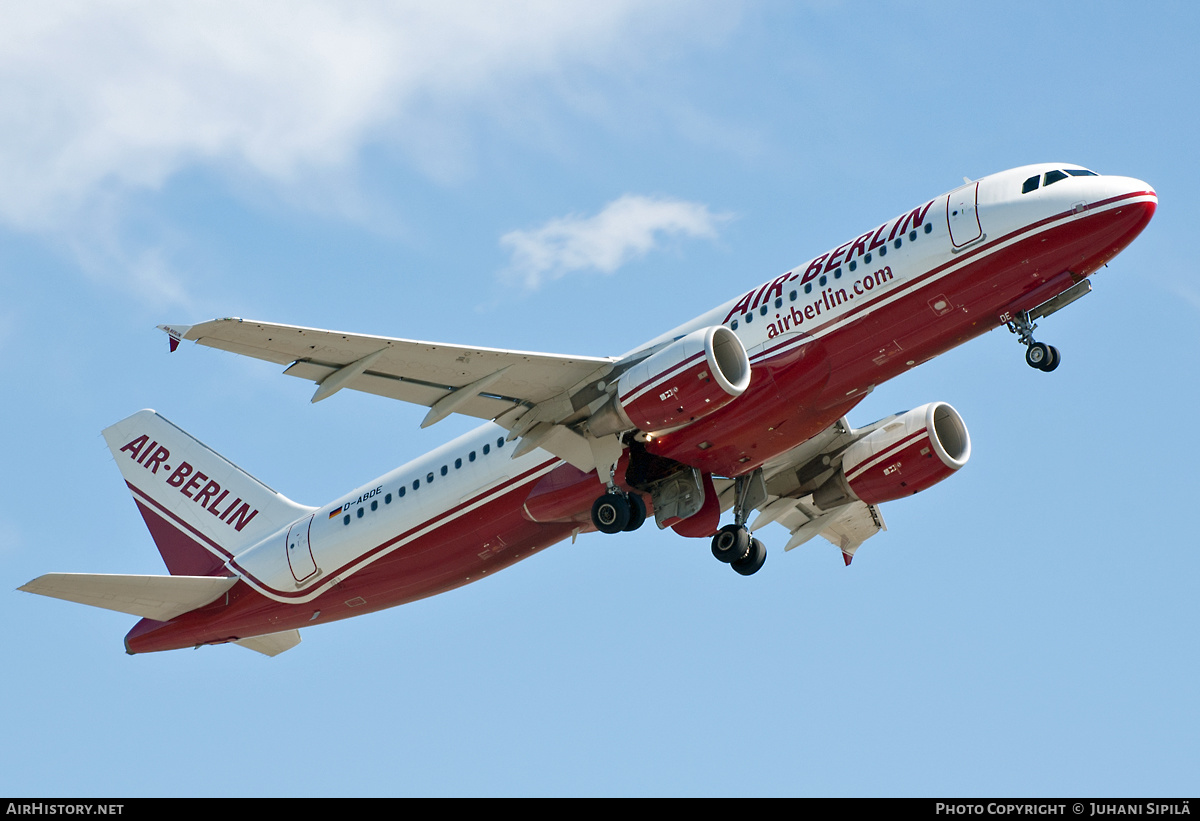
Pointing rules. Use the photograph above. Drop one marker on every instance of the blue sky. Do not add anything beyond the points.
(575, 179)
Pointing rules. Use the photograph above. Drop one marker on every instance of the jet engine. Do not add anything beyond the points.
(689, 379)
(914, 451)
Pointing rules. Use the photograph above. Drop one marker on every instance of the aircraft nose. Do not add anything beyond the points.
(1142, 198)
(1132, 190)
(1122, 208)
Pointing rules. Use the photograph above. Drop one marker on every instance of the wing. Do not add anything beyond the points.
(521, 390)
(787, 493)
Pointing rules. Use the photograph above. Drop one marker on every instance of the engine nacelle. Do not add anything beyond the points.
(689, 379)
(905, 456)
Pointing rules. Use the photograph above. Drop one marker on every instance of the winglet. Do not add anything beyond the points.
(848, 557)
(176, 332)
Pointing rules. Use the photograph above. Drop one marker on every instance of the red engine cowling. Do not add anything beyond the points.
(908, 455)
(690, 378)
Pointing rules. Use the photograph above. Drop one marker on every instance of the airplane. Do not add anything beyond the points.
(742, 408)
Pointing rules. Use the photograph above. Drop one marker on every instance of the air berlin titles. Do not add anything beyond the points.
(824, 264)
(191, 483)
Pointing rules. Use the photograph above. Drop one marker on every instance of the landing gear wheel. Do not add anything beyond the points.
(1037, 355)
(637, 512)
(1053, 361)
(753, 561)
(610, 513)
(731, 544)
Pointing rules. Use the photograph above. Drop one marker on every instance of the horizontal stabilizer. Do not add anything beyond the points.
(161, 598)
(271, 644)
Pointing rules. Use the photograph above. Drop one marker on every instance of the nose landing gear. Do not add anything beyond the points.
(1042, 356)
(1037, 354)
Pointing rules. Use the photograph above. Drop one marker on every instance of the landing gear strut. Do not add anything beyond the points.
(733, 543)
(1037, 354)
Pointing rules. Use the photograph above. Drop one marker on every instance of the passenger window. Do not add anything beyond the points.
(1031, 184)
(445, 470)
(457, 463)
(1053, 177)
(471, 456)
(487, 449)
(500, 442)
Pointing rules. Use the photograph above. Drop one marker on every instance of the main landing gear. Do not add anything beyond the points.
(733, 543)
(1037, 354)
(615, 512)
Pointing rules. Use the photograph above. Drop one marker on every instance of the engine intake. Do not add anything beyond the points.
(905, 456)
(693, 376)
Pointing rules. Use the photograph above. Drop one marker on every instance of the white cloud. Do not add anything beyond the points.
(626, 228)
(100, 100)
(103, 97)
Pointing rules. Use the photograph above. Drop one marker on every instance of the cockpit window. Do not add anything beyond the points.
(1031, 184)
(1053, 177)
(1081, 172)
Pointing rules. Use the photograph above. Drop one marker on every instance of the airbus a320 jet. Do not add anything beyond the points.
(740, 411)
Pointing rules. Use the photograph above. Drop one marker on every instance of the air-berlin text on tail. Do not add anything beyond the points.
(861, 246)
(190, 482)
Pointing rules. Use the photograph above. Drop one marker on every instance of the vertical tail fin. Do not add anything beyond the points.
(201, 508)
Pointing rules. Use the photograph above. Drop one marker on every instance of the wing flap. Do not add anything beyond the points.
(416, 392)
(845, 527)
(408, 370)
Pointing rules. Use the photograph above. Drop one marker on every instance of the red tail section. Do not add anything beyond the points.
(201, 508)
